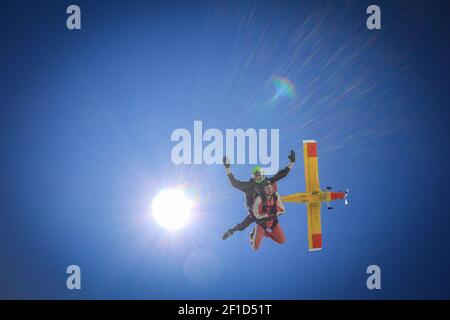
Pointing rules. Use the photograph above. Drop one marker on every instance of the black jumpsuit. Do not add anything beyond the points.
(252, 189)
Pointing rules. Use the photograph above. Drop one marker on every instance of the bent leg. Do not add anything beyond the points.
(244, 223)
(258, 236)
(249, 219)
(277, 234)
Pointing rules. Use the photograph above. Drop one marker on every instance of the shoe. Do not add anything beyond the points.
(227, 234)
(252, 237)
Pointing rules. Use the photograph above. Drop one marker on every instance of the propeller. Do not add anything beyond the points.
(345, 197)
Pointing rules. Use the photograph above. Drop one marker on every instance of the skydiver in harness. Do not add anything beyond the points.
(266, 209)
(253, 188)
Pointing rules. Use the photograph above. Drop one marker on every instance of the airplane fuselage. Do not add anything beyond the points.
(313, 197)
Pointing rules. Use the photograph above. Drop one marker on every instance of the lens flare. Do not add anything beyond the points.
(283, 88)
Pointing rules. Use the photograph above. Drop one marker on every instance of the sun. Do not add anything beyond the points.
(171, 208)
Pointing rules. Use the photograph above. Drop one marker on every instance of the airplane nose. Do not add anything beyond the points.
(337, 195)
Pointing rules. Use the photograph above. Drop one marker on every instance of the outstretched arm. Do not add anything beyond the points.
(283, 173)
(241, 185)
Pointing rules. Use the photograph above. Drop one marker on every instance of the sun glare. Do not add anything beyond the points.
(171, 208)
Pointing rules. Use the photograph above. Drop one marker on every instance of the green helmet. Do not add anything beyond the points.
(258, 169)
(255, 169)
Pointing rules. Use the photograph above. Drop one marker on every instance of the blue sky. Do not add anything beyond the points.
(85, 126)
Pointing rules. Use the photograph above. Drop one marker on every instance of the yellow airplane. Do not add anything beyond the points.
(314, 196)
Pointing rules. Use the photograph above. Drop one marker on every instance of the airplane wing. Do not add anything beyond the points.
(314, 227)
(311, 166)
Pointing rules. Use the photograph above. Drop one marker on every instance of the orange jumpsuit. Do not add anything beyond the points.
(266, 215)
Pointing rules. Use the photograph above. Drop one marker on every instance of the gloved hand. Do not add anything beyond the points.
(226, 162)
(264, 208)
(273, 210)
(292, 156)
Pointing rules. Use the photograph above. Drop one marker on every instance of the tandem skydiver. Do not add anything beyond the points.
(253, 188)
(266, 209)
